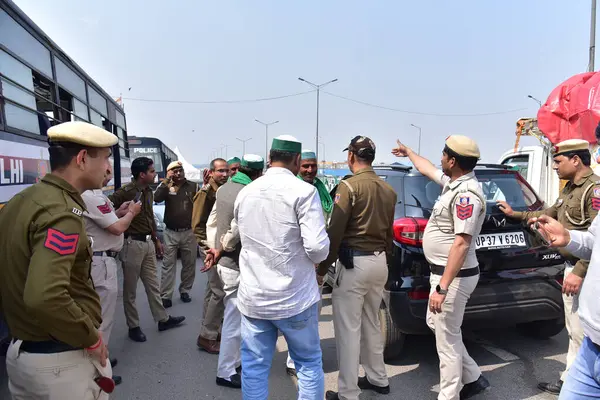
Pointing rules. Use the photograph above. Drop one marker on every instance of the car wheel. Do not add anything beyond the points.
(393, 339)
(542, 329)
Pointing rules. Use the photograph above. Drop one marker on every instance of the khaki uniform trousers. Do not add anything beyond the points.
(573, 325)
(214, 308)
(104, 276)
(57, 376)
(356, 300)
(139, 262)
(186, 242)
(457, 368)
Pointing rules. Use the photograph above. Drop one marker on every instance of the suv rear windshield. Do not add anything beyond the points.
(419, 191)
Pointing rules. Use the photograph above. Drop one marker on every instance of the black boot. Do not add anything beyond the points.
(474, 388)
(551, 387)
(172, 322)
(137, 335)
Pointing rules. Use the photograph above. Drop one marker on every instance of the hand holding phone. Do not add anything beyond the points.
(535, 229)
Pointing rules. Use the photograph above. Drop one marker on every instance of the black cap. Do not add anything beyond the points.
(362, 146)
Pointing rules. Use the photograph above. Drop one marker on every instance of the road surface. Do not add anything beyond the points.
(170, 366)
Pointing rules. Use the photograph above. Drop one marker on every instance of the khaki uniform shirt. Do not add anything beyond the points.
(204, 202)
(459, 210)
(100, 215)
(576, 207)
(179, 200)
(366, 225)
(46, 292)
(143, 223)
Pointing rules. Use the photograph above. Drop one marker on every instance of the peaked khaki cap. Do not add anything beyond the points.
(82, 133)
(463, 146)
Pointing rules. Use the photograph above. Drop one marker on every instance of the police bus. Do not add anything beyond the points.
(40, 86)
(155, 149)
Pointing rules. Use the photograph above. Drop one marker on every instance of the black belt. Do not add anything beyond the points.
(46, 347)
(358, 253)
(137, 236)
(179, 229)
(463, 273)
(108, 253)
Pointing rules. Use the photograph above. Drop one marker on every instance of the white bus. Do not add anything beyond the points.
(40, 86)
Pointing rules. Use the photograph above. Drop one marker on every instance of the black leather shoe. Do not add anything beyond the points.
(117, 379)
(235, 382)
(474, 388)
(551, 387)
(137, 335)
(364, 384)
(331, 395)
(291, 372)
(185, 297)
(167, 303)
(113, 362)
(172, 322)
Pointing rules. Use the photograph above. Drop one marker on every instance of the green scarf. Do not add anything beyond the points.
(241, 178)
(326, 201)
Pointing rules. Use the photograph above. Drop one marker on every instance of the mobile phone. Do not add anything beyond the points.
(538, 234)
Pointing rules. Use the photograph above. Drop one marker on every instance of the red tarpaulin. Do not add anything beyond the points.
(572, 110)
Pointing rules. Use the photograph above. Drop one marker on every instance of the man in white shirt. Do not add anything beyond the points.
(582, 381)
(283, 236)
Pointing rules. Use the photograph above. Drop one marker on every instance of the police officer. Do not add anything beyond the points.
(449, 247)
(208, 339)
(178, 194)
(140, 249)
(47, 296)
(575, 208)
(360, 233)
(105, 227)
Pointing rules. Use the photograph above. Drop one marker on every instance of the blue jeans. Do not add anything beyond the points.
(583, 381)
(301, 333)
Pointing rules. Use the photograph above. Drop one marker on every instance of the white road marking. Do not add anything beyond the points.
(502, 354)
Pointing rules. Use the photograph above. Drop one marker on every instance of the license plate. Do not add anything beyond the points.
(500, 240)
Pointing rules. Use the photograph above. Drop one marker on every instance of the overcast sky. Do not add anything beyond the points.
(428, 57)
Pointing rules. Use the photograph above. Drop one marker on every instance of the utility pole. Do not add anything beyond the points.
(243, 145)
(266, 124)
(419, 128)
(225, 146)
(592, 38)
(318, 87)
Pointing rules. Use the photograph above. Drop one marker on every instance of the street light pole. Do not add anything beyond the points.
(419, 128)
(534, 99)
(592, 38)
(318, 87)
(243, 145)
(266, 124)
(225, 146)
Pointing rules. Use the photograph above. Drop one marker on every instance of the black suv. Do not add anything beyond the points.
(520, 282)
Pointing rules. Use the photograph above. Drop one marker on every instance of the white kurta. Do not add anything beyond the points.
(283, 235)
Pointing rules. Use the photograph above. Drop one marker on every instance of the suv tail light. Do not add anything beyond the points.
(410, 231)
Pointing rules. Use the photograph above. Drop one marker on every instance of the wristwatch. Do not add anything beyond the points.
(439, 289)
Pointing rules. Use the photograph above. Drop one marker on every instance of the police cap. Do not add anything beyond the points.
(361, 145)
(174, 164)
(570, 146)
(463, 146)
(81, 133)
